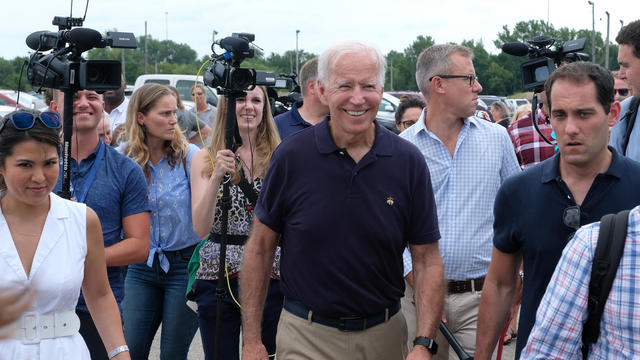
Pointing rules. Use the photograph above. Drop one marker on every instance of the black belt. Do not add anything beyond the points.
(458, 287)
(231, 239)
(346, 323)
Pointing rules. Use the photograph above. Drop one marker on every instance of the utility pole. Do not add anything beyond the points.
(606, 54)
(297, 70)
(391, 74)
(146, 40)
(593, 31)
(166, 25)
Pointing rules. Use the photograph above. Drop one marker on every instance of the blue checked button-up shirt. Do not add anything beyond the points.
(465, 187)
(557, 333)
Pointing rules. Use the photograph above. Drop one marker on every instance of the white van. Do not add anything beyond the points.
(183, 83)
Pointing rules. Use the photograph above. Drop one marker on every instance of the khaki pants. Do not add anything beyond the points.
(461, 311)
(299, 339)
(409, 312)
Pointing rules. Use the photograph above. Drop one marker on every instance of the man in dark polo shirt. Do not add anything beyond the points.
(309, 112)
(538, 211)
(346, 196)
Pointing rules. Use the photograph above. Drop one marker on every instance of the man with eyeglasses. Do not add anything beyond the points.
(538, 211)
(625, 136)
(468, 159)
(408, 112)
(205, 111)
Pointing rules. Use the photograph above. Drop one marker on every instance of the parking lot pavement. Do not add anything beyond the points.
(195, 351)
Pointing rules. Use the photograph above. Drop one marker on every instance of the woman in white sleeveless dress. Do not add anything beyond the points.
(50, 245)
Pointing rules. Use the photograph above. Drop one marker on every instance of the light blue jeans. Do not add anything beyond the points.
(153, 297)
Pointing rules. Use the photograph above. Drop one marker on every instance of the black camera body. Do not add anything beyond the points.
(225, 72)
(64, 68)
(543, 60)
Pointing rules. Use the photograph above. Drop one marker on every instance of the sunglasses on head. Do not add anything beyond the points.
(622, 92)
(24, 120)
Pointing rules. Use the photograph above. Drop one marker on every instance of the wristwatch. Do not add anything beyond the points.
(430, 344)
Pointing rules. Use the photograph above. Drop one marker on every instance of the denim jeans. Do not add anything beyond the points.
(153, 297)
(205, 296)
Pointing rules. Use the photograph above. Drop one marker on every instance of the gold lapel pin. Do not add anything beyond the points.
(390, 201)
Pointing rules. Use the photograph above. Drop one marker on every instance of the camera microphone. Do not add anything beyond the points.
(83, 38)
(515, 48)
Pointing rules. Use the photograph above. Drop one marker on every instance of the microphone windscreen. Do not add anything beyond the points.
(515, 48)
(84, 38)
(34, 40)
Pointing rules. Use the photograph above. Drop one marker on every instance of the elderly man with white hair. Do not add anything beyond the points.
(345, 197)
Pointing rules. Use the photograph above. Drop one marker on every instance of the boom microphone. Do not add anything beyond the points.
(515, 48)
(83, 38)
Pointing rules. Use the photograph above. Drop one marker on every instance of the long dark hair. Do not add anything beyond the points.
(10, 137)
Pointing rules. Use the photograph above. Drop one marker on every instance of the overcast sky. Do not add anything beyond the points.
(391, 25)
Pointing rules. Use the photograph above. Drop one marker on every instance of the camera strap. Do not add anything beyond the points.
(606, 259)
(82, 196)
(630, 116)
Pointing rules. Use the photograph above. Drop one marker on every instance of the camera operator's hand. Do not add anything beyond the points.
(254, 351)
(225, 163)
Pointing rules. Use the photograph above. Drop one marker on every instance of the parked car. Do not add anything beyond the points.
(489, 99)
(27, 101)
(5, 109)
(182, 82)
(400, 94)
(513, 104)
(387, 111)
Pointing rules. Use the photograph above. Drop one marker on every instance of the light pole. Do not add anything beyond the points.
(593, 31)
(297, 71)
(166, 25)
(606, 53)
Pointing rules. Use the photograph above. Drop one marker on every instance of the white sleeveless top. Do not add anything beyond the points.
(56, 275)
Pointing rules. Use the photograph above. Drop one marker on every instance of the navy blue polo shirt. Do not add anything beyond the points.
(291, 122)
(529, 210)
(344, 225)
(119, 189)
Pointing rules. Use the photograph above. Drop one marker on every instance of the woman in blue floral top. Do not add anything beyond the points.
(259, 139)
(154, 290)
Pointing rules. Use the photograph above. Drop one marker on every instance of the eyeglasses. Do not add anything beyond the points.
(24, 119)
(571, 217)
(408, 123)
(622, 92)
(470, 78)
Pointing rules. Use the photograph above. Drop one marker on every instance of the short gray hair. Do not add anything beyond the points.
(436, 60)
(330, 57)
(308, 72)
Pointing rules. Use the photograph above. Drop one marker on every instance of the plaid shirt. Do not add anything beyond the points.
(557, 333)
(530, 147)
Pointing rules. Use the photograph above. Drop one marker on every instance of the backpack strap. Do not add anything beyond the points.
(609, 250)
(631, 115)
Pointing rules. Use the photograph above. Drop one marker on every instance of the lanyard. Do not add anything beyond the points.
(90, 177)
